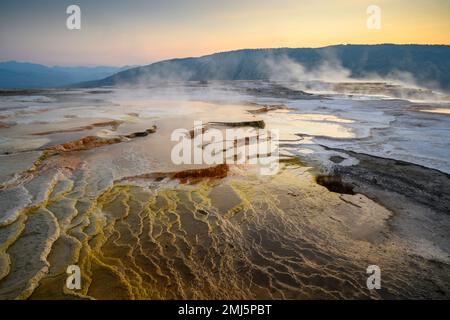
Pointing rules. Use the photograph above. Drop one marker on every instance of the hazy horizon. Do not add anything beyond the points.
(198, 56)
(140, 32)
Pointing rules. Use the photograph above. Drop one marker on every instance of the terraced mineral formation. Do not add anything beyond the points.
(353, 190)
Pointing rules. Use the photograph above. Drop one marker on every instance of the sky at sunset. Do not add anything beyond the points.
(140, 32)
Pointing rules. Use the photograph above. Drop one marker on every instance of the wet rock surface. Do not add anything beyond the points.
(426, 186)
(139, 227)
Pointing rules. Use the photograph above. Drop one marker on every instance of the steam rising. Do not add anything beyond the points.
(295, 75)
(285, 69)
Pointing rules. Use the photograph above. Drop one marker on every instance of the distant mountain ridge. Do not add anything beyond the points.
(428, 65)
(21, 75)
